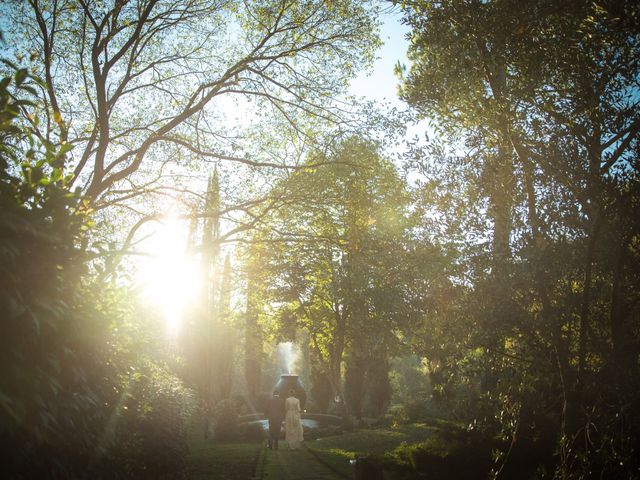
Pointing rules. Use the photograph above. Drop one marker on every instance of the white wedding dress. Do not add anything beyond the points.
(292, 422)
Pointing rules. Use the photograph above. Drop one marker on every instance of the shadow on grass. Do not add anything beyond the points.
(216, 460)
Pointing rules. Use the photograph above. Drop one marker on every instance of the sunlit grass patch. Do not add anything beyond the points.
(338, 450)
(343, 453)
(374, 441)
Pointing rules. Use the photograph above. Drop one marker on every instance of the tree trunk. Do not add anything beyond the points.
(500, 175)
(586, 298)
(616, 312)
(354, 383)
(252, 344)
(337, 352)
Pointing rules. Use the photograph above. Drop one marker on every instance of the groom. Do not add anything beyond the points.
(275, 415)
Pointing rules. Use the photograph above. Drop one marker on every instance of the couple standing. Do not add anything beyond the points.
(288, 410)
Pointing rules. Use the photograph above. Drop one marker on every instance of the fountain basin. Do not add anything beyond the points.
(309, 421)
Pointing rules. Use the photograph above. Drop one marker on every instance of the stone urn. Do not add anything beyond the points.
(289, 382)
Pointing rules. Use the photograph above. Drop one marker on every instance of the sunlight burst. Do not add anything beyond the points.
(170, 276)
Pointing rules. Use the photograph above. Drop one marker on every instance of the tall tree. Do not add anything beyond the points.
(334, 262)
(555, 90)
(136, 86)
(225, 335)
(209, 337)
(82, 390)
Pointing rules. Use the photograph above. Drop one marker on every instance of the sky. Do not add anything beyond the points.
(380, 85)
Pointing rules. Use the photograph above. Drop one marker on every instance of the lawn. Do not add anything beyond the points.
(338, 450)
(216, 460)
(228, 461)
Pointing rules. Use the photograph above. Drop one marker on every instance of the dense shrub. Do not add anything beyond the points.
(151, 433)
(53, 383)
(440, 457)
(378, 387)
(252, 432)
(225, 420)
(409, 412)
(321, 392)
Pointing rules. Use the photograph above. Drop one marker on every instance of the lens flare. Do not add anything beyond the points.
(170, 276)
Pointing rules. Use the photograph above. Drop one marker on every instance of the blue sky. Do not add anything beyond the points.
(380, 85)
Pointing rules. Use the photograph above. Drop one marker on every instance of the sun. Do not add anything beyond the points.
(170, 275)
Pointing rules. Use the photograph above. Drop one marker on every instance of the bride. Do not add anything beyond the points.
(292, 422)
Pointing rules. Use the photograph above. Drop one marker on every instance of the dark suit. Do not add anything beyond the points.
(275, 415)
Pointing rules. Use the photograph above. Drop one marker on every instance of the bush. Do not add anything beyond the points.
(452, 457)
(252, 432)
(54, 381)
(378, 387)
(225, 420)
(321, 392)
(151, 438)
(409, 412)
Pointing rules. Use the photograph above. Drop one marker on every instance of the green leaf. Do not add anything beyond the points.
(67, 147)
(20, 76)
(56, 175)
(22, 102)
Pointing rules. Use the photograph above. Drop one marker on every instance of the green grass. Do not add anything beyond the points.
(213, 460)
(216, 460)
(338, 450)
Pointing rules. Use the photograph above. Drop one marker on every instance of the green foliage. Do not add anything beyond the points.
(301, 53)
(341, 276)
(379, 393)
(354, 386)
(411, 389)
(78, 396)
(376, 443)
(225, 420)
(440, 458)
(321, 392)
(152, 416)
(525, 339)
(410, 411)
(51, 384)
